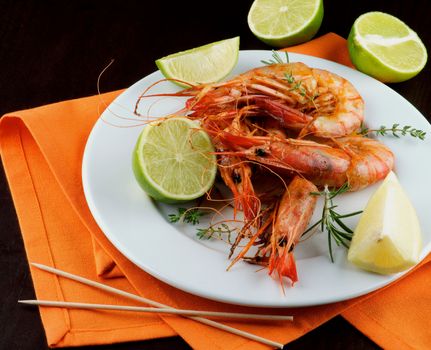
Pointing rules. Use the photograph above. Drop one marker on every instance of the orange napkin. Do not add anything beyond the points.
(42, 150)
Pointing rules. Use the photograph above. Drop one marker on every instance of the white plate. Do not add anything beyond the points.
(138, 226)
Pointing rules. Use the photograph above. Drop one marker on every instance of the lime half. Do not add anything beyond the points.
(388, 236)
(282, 23)
(205, 64)
(173, 160)
(385, 48)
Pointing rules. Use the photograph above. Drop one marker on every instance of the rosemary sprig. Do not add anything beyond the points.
(276, 58)
(396, 130)
(332, 221)
(190, 216)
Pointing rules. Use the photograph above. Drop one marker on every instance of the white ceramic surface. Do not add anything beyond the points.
(138, 226)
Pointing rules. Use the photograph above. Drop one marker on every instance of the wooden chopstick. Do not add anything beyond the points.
(156, 304)
(73, 305)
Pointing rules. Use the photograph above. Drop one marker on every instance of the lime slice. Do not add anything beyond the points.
(384, 47)
(282, 23)
(205, 64)
(388, 236)
(173, 160)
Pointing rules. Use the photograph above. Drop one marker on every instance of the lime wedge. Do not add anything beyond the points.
(173, 160)
(282, 23)
(385, 48)
(205, 64)
(388, 236)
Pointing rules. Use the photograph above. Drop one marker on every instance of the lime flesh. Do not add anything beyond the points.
(173, 160)
(385, 48)
(387, 238)
(282, 23)
(205, 64)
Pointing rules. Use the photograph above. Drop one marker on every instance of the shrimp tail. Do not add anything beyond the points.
(284, 265)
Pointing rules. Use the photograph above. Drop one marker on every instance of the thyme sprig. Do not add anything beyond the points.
(276, 58)
(396, 130)
(193, 215)
(215, 232)
(190, 216)
(289, 77)
(297, 86)
(332, 221)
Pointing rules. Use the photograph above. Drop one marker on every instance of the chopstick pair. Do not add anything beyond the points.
(157, 307)
(182, 312)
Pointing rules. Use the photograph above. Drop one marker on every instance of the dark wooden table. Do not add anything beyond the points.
(54, 50)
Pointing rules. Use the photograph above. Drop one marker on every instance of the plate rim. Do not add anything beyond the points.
(209, 295)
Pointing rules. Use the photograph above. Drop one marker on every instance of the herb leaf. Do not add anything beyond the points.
(215, 232)
(396, 130)
(276, 58)
(297, 86)
(331, 221)
(190, 216)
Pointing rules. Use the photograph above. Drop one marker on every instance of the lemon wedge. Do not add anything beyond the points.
(387, 238)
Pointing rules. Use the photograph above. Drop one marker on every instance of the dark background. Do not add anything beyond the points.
(54, 50)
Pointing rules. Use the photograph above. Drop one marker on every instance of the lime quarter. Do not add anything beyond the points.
(388, 237)
(205, 64)
(282, 23)
(173, 160)
(385, 48)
